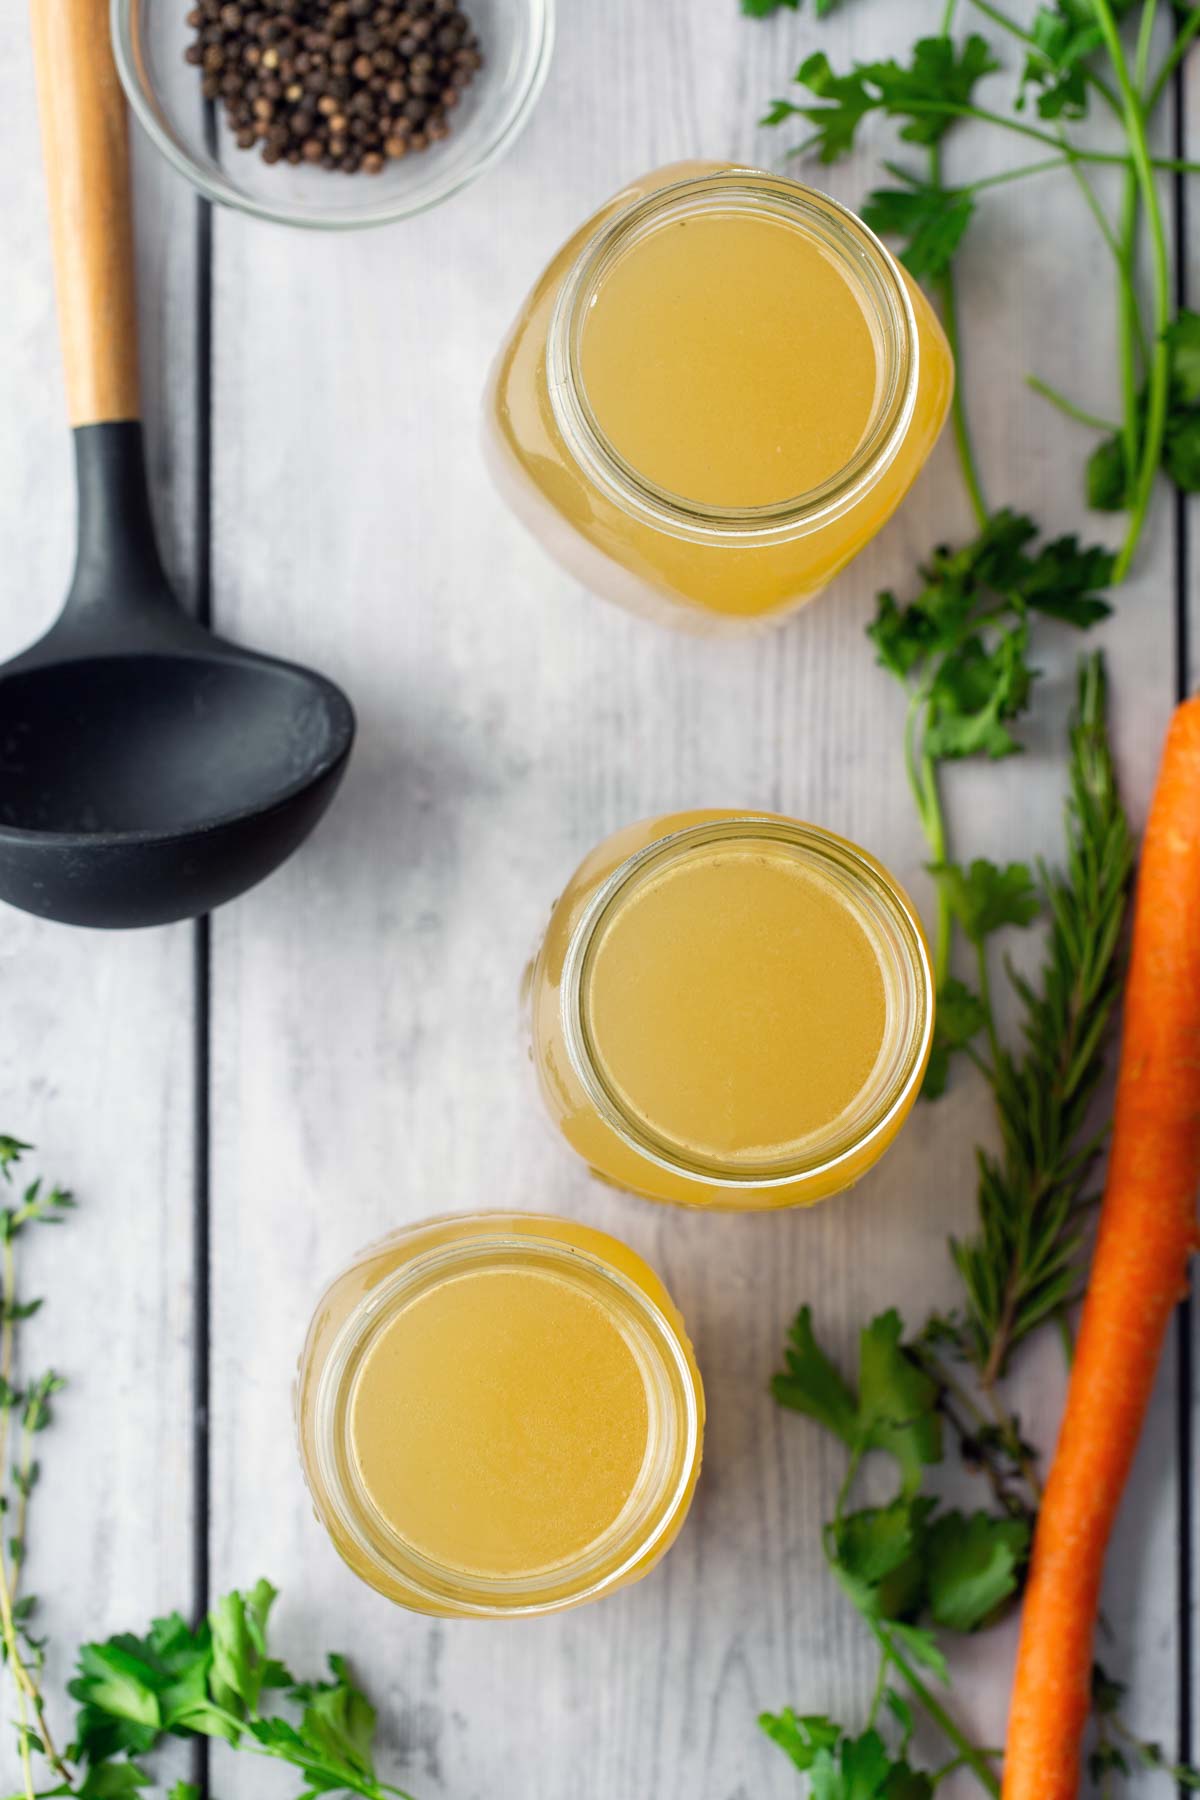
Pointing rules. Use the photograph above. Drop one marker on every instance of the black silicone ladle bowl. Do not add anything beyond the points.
(149, 771)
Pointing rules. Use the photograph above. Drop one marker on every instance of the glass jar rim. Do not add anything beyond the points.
(880, 903)
(878, 283)
(664, 1483)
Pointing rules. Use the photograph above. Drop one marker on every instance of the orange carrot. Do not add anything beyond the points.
(1147, 1232)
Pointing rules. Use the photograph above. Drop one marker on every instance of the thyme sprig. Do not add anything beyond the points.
(218, 1680)
(25, 1412)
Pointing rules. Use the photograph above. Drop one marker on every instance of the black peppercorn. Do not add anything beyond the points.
(336, 84)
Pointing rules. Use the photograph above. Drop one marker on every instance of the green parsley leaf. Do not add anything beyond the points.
(1183, 340)
(811, 1384)
(847, 103)
(1064, 581)
(118, 1690)
(974, 1565)
(1107, 478)
(840, 1767)
(339, 1722)
(895, 1409)
(932, 221)
(925, 93)
(878, 1555)
(113, 1781)
(800, 1736)
(961, 647)
(978, 688)
(865, 1768)
(1064, 36)
(1181, 449)
(897, 1401)
(241, 1667)
(923, 1647)
(184, 1790)
(959, 1017)
(984, 898)
(940, 74)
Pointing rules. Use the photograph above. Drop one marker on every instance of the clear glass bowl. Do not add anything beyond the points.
(150, 37)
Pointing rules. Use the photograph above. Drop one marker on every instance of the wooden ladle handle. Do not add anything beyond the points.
(85, 137)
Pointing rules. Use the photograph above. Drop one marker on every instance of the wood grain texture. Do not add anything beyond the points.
(86, 150)
(96, 1048)
(367, 1066)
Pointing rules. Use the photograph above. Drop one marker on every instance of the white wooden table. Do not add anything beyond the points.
(241, 1109)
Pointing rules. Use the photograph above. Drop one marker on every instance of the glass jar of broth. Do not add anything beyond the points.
(731, 1010)
(499, 1415)
(719, 390)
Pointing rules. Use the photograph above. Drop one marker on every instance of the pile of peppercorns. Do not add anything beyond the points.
(340, 84)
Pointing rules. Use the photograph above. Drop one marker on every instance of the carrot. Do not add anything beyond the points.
(1139, 1273)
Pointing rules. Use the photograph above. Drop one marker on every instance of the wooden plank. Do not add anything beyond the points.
(366, 1067)
(96, 1058)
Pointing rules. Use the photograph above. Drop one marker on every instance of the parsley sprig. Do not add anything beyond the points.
(1076, 54)
(908, 1567)
(961, 650)
(218, 1680)
(920, 1573)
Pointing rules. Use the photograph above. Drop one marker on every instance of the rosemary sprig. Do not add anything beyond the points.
(1023, 1265)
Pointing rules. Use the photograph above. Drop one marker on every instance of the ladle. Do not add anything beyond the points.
(148, 770)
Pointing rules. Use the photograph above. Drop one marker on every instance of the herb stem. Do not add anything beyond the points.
(880, 1682)
(948, 296)
(346, 1780)
(843, 1493)
(1113, 159)
(923, 780)
(1128, 310)
(1145, 39)
(1003, 19)
(29, 1695)
(1175, 56)
(1068, 407)
(972, 1757)
(1159, 374)
(1018, 174)
(1123, 256)
(935, 831)
(985, 995)
(1009, 1429)
(1065, 1338)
